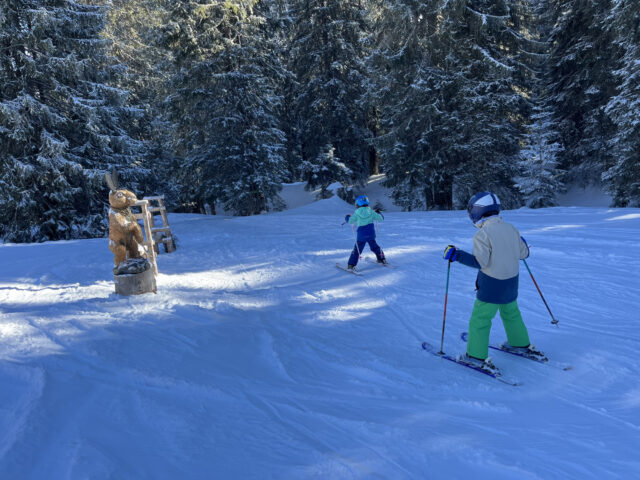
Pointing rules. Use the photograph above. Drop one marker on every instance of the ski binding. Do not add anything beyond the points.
(353, 271)
(532, 353)
(371, 260)
(478, 368)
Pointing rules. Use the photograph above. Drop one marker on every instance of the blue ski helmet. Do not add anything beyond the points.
(362, 201)
(483, 204)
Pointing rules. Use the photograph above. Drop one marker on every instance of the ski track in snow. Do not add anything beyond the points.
(257, 358)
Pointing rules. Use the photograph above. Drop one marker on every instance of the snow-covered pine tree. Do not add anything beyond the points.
(279, 25)
(581, 82)
(327, 57)
(450, 114)
(490, 103)
(224, 105)
(622, 178)
(538, 176)
(132, 29)
(538, 173)
(62, 124)
(324, 169)
(412, 89)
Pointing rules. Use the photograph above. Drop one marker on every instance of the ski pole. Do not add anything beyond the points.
(444, 316)
(356, 240)
(553, 319)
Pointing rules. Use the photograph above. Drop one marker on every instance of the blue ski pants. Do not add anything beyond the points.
(357, 250)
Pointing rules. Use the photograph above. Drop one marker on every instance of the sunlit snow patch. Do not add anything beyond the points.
(629, 216)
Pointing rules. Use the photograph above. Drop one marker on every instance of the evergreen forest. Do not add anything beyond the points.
(220, 102)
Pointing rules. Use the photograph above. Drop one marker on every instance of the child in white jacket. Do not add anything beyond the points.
(497, 251)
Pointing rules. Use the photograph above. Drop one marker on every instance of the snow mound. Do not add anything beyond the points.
(333, 205)
(589, 196)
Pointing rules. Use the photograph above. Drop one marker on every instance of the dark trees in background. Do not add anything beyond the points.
(62, 122)
(623, 173)
(219, 102)
(224, 106)
(327, 58)
(581, 82)
(451, 117)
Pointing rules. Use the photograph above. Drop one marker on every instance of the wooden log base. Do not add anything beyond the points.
(136, 283)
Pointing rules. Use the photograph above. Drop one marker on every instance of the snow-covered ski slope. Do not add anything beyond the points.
(259, 359)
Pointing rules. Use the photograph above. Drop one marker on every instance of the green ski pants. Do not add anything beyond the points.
(480, 326)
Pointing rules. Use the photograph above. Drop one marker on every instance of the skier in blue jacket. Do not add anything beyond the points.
(364, 217)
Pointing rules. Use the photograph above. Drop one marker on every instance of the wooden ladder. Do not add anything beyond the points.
(147, 219)
(165, 236)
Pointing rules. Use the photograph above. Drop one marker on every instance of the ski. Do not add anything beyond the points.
(354, 272)
(464, 336)
(431, 349)
(371, 260)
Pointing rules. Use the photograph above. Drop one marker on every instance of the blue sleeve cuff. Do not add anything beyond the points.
(468, 259)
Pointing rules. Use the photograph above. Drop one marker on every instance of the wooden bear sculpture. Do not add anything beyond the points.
(125, 235)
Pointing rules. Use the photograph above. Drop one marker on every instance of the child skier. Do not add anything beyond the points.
(364, 217)
(497, 251)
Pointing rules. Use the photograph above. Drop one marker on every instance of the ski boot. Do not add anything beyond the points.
(530, 351)
(485, 365)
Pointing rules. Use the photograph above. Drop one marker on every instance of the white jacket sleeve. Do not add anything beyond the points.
(482, 248)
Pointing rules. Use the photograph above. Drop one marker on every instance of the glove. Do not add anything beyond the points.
(450, 253)
(377, 210)
(346, 218)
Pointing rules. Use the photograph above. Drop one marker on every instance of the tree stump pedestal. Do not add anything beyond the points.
(135, 283)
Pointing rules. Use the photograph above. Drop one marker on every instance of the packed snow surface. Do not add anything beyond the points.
(258, 358)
